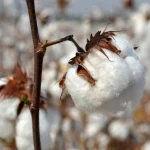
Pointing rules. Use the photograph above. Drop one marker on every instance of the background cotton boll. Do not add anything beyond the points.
(8, 114)
(3, 81)
(119, 130)
(54, 90)
(24, 21)
(7, 131)
(54, 118)
(94, 125)
(103, 141)
(141, 131)
(119, 80)
(9, 106)
(48, 76)
(146, 146)
(48, 30)
(75, 114)
(144, 55)
(24, 137)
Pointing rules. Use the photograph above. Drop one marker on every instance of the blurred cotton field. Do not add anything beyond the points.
(62, 125)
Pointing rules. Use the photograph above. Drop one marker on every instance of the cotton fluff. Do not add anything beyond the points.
(119, 130)
(8, 114)
(146, 146)
(94, 125)
(24, 136)
(119, 81)
(3, 81)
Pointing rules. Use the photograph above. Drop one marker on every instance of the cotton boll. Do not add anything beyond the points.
(54, 90)
(3, 81)
(7, 129)
(24, 21)
(8, 114)
(144, 55)
(119, 81)
(146, 146)
(103, 141)
(94, 125)
(49, 30)
(54, 118)
(8, 108)
(119, 130)
(48, 76)
(24, 137)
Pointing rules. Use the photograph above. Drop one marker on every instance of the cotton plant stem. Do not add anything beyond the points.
(39, 51)
(38, 60)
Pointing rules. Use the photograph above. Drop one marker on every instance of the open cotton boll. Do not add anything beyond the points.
(8, 108)
(119, 77)
(3, 81)
(7, 129)
(24, 135)
(144, 55)
(94, 125)
(54, 118)
(119, 130)
(8, 114)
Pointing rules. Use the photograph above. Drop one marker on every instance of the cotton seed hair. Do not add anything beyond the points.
(107, 77)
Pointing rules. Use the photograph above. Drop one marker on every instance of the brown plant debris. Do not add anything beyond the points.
(16, 85)
(99, 41)
(128, 3)
(62, 4)
(19, 84)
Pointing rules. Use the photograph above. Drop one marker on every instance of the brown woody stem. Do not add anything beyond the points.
(38, 60)
(39, 51)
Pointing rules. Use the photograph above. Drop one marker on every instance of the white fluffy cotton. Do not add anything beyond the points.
(3, 81)
(8, 114)
(94, 125)
(119, 130)
(146, 146)
(24, 136)
(119, 81)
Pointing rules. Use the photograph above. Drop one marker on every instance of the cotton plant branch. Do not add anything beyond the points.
(39, 51)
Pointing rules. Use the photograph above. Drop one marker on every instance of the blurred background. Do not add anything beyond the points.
(71, 129)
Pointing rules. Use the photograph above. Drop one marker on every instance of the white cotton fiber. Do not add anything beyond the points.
(24, 136)
(8, 114)
(119, 81)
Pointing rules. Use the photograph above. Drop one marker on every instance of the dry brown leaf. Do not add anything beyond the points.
(62, 85)
(102, 40)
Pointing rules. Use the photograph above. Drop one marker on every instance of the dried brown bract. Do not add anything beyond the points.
(62, 4)
(17, 84)
(128, 3)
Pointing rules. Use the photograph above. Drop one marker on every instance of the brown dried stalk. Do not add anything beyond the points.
(39, 51)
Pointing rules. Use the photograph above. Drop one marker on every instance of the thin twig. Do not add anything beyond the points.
(79, 49)
(67, 38)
